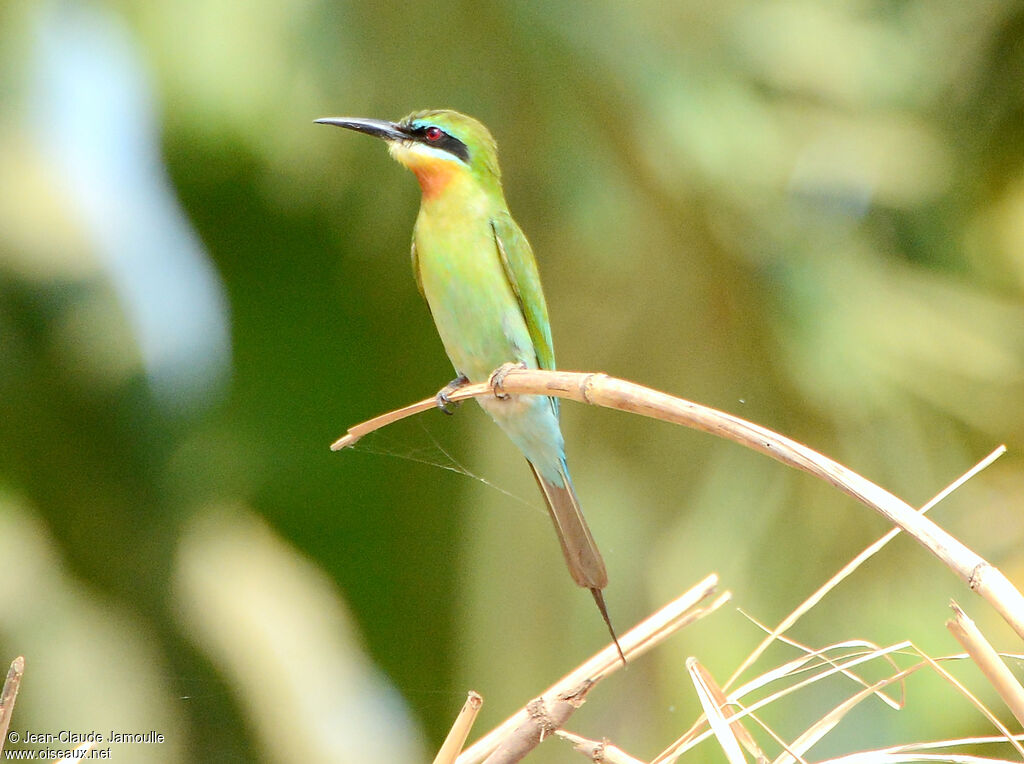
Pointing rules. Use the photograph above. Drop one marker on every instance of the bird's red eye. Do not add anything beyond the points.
(433, 134)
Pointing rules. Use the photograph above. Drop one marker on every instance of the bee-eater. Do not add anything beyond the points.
(477, 272)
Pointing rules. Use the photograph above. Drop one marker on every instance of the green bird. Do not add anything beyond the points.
(476, 270)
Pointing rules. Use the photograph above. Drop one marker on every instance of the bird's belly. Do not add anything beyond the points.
(477, 315)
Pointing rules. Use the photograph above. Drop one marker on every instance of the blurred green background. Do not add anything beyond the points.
(808, 214)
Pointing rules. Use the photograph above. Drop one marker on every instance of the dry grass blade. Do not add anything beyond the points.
(824, 725)
(932, 745)
(874, 757)
(598, 750)
(714, 706)
(986, 712)
(822, 655)
(987, 659)
(675, 615)
(694, 735)
(8, 695)
(827, 723)
(602, 390)
(711, 687)
(452, 746)
(847, 570)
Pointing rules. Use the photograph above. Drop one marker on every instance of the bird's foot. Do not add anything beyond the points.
(444, 401)
(497, 379)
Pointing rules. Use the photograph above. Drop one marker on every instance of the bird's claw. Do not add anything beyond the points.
(444, 401)
(497, 379)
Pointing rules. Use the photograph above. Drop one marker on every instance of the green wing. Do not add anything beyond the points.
(521, 270)
(416, 267)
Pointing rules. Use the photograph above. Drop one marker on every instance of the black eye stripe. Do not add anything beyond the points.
(446, 142)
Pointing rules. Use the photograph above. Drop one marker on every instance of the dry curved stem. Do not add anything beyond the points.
(848, 569)
(601, 390)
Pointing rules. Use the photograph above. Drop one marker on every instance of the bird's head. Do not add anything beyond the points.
(437, 145)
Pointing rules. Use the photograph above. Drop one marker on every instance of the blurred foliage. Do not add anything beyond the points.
(809, 214)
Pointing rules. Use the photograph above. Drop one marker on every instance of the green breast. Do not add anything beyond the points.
(470, 298)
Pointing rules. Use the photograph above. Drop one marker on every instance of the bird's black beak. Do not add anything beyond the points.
(389, 131)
